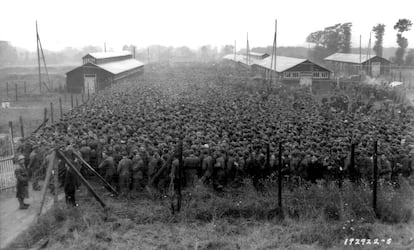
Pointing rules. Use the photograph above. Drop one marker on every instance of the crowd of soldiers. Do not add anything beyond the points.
(130, 132)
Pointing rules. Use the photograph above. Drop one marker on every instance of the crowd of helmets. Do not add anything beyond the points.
(225, 127)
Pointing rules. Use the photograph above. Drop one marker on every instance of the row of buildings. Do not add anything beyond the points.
(304, 71)
(102, 69)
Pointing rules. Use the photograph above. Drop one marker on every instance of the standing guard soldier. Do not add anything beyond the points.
(22, 185)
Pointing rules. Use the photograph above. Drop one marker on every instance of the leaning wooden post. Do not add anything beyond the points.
(46, 183)
(51, 113)
(84, 181)
(11, 136)
(60, 107)
(15, 87)
(279, 193)
(71, 101)
(21, 126)
(374, 193)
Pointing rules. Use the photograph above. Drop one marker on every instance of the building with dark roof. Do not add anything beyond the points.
(352, 64)
(102, 69)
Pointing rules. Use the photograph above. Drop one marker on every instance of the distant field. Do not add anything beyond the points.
(30, 104)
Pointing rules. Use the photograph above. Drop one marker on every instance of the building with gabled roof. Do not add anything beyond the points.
(102, 69)
(352, 64)
(290, 69)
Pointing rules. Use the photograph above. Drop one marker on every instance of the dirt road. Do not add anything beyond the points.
(14, 221)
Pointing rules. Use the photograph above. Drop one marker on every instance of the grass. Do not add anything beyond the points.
(238, 219)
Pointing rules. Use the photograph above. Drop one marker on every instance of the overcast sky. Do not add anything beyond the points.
(77, 23)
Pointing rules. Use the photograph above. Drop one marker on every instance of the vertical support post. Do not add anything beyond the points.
(15, 87)
(60, 107)
(21, 126)
(83, 99)
(11, 136)
(352, 164)
(267, 158)
(88, 94)
(76, 101)
(65, 97)
(45, 115)
(71, 101)
(25, 88)
(180, 172)
(374, 193)
(279, 177)
(51, 113)
(55, 173)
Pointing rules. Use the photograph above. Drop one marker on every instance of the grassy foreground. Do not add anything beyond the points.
(239, 219)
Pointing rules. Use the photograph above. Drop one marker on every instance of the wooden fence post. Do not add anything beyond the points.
(15, 87)
(51, 113)
(180, 172)
(374, 193)
(71, 101)
(352, 164)
(60, 107)
(11, 136)
(45, 115)
(21, 126)
(279, 192)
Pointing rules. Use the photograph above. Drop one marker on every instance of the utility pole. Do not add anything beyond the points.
(360, 56)
(38, 58)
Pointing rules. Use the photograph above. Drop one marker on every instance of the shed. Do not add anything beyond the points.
(351, 64)
(100, 70)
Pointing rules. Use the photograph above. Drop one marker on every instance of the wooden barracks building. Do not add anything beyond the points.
(100, 70)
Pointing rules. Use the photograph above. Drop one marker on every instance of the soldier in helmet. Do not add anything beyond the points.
(22, 185)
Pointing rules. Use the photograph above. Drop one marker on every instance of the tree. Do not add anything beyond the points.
(330, 40)
(379, 30)
(401, 26)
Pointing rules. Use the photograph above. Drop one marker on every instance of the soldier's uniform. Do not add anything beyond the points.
(35, 166)
(70, 185)
(138, 173)
(108, 168)
(191, 169)
(124, 172)
(22, 185)
(207, 169)
(219, 173)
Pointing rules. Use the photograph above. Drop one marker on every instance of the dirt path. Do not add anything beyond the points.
(14, 221)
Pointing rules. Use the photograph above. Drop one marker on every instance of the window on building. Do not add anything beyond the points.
(291, 74)
(320, 74)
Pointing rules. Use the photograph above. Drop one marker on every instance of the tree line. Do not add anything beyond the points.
(337, 38)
